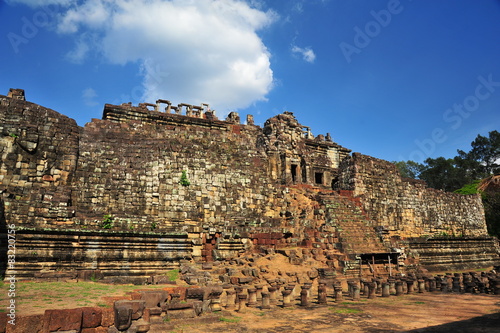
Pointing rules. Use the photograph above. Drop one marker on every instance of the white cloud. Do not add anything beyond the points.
(191, 51)
(306, 53)
(82, 48)
(298, 7)
(89, 97)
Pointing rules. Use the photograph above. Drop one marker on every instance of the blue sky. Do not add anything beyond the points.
(396, 80)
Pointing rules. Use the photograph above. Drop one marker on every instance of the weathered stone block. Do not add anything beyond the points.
(63, 320)
(123, 317)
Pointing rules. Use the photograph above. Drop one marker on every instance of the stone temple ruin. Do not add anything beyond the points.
(145, 189)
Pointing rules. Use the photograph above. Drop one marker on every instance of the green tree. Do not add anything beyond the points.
(484, 157)
(442, 174)
(409, 169)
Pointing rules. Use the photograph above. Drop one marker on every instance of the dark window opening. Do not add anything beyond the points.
(335, 182)
(318, 178)
(304, 170)
(294, 172)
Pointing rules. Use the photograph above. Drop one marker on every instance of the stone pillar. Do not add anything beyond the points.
(307, 286)
(378, 285)
(399, 288)
(338, 292)
(432, 284)
(214, 297)
(286, 297)
(355, 293)
(231, 299)
(495, 286)
(456, 283)
(304, 297)
(392, 286)
(468, 284)
(372, 289)
(259, 288)
(252, 297)
(366, 288)
(421, 286)
(322, 293)
(266, 304)
(385, 289)
(272, 295)
(409, 286)
(444, 285)
(242, 307)
(449, 282)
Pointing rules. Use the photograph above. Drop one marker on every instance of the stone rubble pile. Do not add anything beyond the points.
(158, 307)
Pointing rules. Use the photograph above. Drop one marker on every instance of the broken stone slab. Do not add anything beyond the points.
(63, 320)
(141, 326)
(244, 280)
(154, 298)
(91, 317)
(137, 307)
(123, 317)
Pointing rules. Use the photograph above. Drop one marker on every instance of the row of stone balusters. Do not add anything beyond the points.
(239, 298)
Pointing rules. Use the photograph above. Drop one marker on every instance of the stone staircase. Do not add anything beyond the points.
(356, 233)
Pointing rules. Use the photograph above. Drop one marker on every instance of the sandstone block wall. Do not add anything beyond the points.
(39, 149)
(248, 187)
(408, 208)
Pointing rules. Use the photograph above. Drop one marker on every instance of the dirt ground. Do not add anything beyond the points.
(430, 312)
(427, 312)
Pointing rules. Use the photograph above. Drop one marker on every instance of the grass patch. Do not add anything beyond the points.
(419, 302)
(173, 275)
(346, 310)
(230, 320)
(41, 295)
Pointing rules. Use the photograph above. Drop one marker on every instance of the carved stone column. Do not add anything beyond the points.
(231, 299)
(386, 289)
(242, 307)
(409, 286)
(356, 293)
(421, 286)
(259, 288)
(265, 300)
(286, 297)
(272, 295)
(322, 293)
(372, 289)
(338, 292)
(252, 297)
(399, 288)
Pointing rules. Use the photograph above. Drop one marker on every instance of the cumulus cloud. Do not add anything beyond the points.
(190, 50)
(89, 96)
(306, 53)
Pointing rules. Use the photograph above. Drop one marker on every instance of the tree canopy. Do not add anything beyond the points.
(451, 174)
